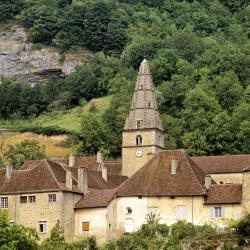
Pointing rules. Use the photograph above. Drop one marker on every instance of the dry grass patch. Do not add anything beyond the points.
(51, 143)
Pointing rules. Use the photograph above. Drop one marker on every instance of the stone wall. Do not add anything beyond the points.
(150, 140)
(29, 214)
(246, 192)
(227, 178)
(97, 218)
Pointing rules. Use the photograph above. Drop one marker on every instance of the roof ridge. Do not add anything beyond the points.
(188, 160)
(53, 175)
(220, 155)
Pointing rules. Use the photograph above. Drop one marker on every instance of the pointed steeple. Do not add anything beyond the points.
(144, 112)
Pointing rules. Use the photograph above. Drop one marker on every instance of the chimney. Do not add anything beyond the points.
(208, 181)
(150, 156)
(71, 160)
(174, 166)
(99, 157)
(105, 173)
(68, 179)
(83, 179)
(9, 170)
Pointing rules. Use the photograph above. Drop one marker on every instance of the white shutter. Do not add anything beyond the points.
(223, 212)
(211, 212)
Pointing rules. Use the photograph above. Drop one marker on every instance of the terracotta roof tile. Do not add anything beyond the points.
(222, 164)
(114, 167)
(2, 176)
(37, 179)
(46, 175)
(29, 164)
(155, 179)
(96, 198)
(224, 194)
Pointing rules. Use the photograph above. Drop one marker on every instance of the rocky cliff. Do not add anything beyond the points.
(24, 63)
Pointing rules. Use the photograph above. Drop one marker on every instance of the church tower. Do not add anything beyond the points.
(143, 131)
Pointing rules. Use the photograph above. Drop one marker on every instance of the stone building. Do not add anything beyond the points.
(92, 197)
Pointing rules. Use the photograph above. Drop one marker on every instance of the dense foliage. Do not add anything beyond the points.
(26, 150)
(152, 235)
(179, 236)
(16, 237)
(198, 53)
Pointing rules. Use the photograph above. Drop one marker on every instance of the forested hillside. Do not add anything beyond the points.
(199, 54)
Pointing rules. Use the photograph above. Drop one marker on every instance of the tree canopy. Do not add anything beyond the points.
(198, 53)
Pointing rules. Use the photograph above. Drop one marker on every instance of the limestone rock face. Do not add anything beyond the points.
(24, 63)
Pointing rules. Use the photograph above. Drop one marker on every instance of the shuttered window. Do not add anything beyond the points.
(181, 212)
(217, 212)
(85, 226)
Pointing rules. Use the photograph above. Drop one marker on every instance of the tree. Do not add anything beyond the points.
(82, 84)
(92, 134)
(97, 21)
(26, 150)
(45, 27)
(228, 90)
(56, 241)
(9, 9)
(16, 237)
(195, 142)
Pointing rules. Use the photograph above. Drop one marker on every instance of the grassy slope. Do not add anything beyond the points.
(69, 119)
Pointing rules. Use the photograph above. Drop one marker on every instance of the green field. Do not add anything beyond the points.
(69, 120)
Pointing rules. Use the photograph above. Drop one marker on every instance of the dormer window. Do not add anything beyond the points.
(138, 140)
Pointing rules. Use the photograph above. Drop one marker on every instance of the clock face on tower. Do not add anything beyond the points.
(138, 153)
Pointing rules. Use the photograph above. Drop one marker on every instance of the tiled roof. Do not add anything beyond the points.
(155, 179)
(223, 164)
(246, 169)
(144, 104)
(30, 164)
(224, 194)
(38, 179)
(113, 167)
(96, 198)
(2, 176)
(49, 175)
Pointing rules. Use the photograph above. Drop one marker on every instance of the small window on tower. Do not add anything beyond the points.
(138, 140)
(138, 124)
(149, 104)
(141, 86)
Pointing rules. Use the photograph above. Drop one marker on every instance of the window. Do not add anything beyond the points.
(138, 124)
(181, 212)
(217, 212)
(43, 227)
(138, 140)
(52, 197)
(129, 225)
(85, 226)
(149, 104)
(23, 199)
(237, 213)
(32, 198)
(4, 202)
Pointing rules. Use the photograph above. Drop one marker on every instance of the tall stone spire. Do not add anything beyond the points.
(144, 112)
